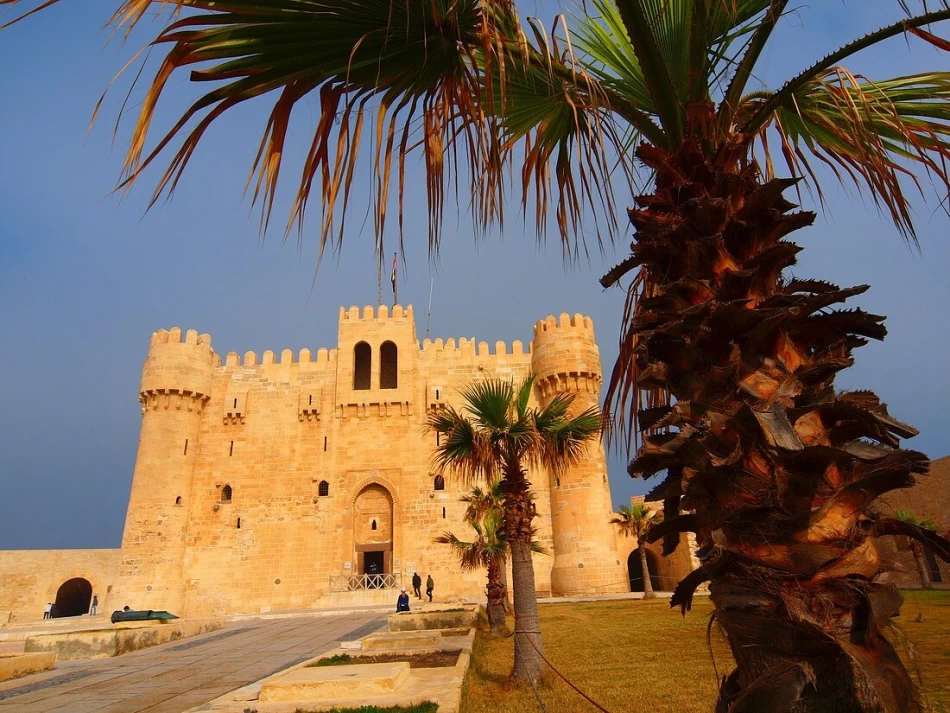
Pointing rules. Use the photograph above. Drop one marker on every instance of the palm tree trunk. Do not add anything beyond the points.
(496, 595)
(777, 470)
(918, 553)
(648, 592)
(519, 512)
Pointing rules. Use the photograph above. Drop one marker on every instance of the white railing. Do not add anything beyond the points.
(356, 582)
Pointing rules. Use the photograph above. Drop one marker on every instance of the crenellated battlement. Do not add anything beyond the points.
(173, 336)
(469, 347)
(381, 313)
(578, 323)
(287, 356)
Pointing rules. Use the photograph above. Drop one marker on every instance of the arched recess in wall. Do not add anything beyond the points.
(362, 366)
(324, 489)
(73, 598)
(635, 571)
(438, 483)
(388, 366)
(373, 530)
(226, 494)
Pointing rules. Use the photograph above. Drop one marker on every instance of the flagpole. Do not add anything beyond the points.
(429, 312)
(395, 292)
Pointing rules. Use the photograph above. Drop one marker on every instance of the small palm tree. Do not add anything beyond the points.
(916, 548)
(633, 521)
(497, 435)
(489, 549)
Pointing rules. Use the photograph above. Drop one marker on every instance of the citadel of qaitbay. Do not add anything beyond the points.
(274, 483)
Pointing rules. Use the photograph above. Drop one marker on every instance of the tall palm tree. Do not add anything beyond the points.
(489, 549)
(726, 365)
(633, 521)
(916, 548)
(498, 435)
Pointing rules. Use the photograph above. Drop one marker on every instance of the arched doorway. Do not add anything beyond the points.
(73, 598)
(373, 532)
(635, 571)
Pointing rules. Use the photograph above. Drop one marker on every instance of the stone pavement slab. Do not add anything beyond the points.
(177, 676)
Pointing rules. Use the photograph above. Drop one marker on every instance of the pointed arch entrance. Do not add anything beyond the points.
(373, 530)
(73, 598)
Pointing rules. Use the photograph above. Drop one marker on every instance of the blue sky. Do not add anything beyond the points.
(85, 278)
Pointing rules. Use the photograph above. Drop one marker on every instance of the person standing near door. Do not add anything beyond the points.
(430, 585)
(95, 603)
(417, 585)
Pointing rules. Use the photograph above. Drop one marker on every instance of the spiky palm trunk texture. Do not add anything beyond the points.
(496, 592)
(519, 513)
(772, 468)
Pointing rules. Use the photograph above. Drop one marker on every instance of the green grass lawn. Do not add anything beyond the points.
(633, 656)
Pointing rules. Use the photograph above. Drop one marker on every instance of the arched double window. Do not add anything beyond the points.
(324, 489)
(388, 366)
(226, 494)
(439, 483)
(362, 366)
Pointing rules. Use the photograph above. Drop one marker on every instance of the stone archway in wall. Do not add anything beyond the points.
(635, 571)
(373, 529)
(73, 598)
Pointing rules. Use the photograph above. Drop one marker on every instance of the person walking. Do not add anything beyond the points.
(48, 610)
(430, 585)
(95, 603)
(417, 585)
(402, 604)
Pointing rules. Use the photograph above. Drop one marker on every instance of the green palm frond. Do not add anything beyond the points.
(912, 518)
(564, 441)
(488, 402)
(870, 133)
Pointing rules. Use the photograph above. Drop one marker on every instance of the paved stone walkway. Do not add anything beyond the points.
(180, 675)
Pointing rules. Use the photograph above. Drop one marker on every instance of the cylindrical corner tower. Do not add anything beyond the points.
(176, 385)
(566, 360)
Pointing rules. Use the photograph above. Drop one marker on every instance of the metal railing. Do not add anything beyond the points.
(356, 582)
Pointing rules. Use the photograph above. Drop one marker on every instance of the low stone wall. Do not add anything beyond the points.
(17, 665)
(446, 619)
(103, 643)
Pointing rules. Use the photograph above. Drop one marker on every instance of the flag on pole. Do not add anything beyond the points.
(393, 278)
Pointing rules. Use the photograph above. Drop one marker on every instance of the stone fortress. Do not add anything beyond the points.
(273, 483)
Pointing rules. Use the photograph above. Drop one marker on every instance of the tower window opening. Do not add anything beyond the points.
(388, 366)
(231, 452)
(324, 444)
(226, 494)
(438, 438)
(324, 489)
(362, 366)
(239, 523)
(186, 448)
(443, 513)
(178, 500)
(235, 403)
(311, 399)
(557, 481)
(436, 394)
(374, 525)
(439, 483)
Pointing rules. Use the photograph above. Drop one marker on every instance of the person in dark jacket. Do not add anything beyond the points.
(430, 585)
(417, 585)
(402, 604)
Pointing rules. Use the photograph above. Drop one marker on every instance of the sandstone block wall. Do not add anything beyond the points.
(30, 578)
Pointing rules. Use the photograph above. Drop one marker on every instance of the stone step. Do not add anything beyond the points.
(401, 640)
(333, 682)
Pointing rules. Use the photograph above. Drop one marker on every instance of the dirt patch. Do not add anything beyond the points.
(434, 659)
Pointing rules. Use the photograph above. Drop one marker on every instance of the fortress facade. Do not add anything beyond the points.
(275, 482)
